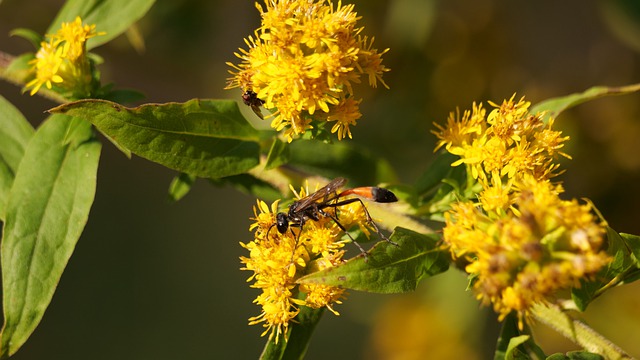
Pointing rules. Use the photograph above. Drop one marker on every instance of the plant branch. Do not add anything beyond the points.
(577, 331)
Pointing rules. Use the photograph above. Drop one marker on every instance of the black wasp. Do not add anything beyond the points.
(314, 206)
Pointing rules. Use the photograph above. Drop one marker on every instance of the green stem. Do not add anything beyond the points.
(577, 331)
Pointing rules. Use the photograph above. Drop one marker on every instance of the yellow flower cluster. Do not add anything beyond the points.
(62, 59)
(302, 63)
(509, 141)
(278, 260)
(521, 242)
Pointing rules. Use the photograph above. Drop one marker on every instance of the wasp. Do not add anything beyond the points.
(315, 206)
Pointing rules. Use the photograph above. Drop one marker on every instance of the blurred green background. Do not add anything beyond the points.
(153, 280)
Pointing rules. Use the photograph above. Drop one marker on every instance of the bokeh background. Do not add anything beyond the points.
(154, 280)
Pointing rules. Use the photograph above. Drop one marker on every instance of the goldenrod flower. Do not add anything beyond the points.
(526, 253)
(46, 64)
(507, 143)
(62, 60)
(303, 61)
(73, 36)
(461, 130)
(278, 260)
(521, 242)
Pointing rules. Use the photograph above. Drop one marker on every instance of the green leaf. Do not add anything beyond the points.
(583, 295)
(340, 159)
(6, 180)
(576, 355)
(278, 154)
(514, 343)
(111, 16)
(19, 69)
(205, 138)
(250, 185)
(47, 210)
(299, 337)
(121, 96)
(633, 243)
(439, 186)
(512, 349)
(584, 355)
(439, 169)
(620, 252)
(632, 276)
(180, 186)
(509, 330)
(15, 133)
(388, 268)
(557, 356)
(31, 36)
(554, 106)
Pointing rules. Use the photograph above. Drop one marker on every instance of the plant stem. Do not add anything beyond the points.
(577, 331)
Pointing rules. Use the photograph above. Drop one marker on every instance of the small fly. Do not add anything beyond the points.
(250, 98)
(314, 206)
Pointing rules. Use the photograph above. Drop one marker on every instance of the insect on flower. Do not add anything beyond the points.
(250, 98)
(314, 206)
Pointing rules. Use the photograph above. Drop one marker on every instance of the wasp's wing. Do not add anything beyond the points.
(323, 194)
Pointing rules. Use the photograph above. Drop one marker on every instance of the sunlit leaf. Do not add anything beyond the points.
(111, 16)
(18, 70)
(15, 133)
(205, 138)
(31, 36)
(553, 107)
(47, 209)
(388, 268)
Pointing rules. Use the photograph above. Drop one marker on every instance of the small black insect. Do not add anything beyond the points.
(250, 98)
